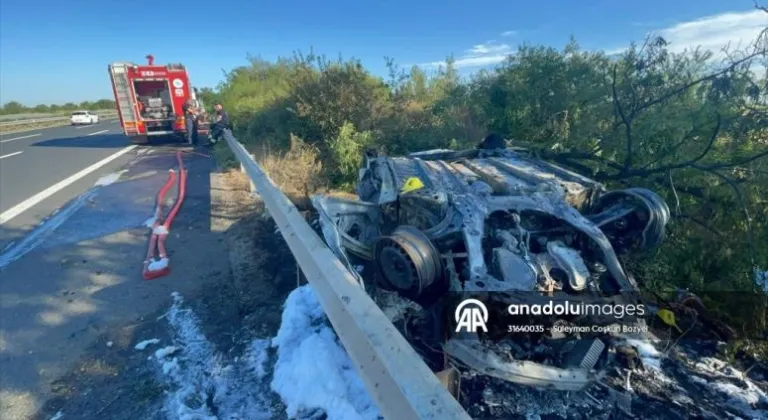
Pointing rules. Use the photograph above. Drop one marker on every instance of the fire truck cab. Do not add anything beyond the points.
(150, 99)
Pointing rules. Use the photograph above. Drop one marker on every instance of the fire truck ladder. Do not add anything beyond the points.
(125, 101)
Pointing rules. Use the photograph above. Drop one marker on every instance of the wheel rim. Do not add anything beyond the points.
(407, 261)
(397, 268)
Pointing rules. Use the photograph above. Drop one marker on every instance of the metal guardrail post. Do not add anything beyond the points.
(397, 378)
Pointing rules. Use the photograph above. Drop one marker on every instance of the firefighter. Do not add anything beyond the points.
(190, 117)
(140, 104)
(220, 122)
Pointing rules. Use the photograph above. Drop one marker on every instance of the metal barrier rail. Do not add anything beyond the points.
(397, 378)
(36, 120)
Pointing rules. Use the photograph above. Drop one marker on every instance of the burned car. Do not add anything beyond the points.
(507, 225)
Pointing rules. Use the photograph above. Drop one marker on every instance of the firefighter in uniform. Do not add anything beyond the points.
(190, 117)
(220, 122)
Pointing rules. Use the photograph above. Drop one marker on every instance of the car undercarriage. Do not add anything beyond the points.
(507, 226)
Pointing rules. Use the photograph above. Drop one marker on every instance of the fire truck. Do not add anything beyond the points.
(150, 98)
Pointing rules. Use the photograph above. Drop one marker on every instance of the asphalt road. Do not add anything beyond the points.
(32, 163)
(72, 249)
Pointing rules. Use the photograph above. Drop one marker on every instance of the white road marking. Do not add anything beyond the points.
(53, 189)
(98, 132)
(19, 138)
(39, 234)
(84, 126)
(10, 154)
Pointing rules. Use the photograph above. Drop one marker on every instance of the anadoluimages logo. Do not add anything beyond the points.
(470, 315)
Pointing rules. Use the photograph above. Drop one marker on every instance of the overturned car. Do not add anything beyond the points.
(504, 225)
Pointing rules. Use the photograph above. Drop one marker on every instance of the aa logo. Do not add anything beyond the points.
(470, 315)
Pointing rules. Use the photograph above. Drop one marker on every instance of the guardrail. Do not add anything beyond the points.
(402, 385)
(50, 119)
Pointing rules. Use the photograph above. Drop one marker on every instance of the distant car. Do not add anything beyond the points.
(84, 117)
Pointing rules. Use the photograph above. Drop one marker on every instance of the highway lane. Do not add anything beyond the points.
(18, 141)
(41, 170)
(75, 281)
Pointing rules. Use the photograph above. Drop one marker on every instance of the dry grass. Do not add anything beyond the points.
(22, 127)
(297, 172)
(236, 180)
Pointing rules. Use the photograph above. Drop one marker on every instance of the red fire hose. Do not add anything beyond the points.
(155, 268)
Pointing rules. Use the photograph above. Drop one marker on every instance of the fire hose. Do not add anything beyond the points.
(155, 268)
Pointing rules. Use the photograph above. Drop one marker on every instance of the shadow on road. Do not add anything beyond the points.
(105, 140)
(113, 138)
(79, 280)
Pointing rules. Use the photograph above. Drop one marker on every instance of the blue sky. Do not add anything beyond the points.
(55, 52)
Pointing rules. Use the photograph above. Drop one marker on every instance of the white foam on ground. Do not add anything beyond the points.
(312, 370)
(257, 357)
(156, 265)
(310, 373)
(108, 179)
(202, 383)
(741, 399)
(648, 354)
(165, 352)
(144, 344)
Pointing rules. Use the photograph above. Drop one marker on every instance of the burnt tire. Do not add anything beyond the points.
(406, 261)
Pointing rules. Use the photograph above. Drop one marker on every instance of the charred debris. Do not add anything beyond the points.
(503, 226)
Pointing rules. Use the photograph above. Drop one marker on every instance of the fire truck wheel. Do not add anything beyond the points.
(139, 139)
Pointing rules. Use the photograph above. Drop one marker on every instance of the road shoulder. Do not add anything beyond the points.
(115, 380)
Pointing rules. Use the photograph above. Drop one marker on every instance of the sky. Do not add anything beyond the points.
(57, 52)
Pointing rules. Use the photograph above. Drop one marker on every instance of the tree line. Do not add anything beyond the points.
(692, 126)
(13, 107)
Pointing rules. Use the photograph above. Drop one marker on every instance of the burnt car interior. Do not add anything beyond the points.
(502, 223)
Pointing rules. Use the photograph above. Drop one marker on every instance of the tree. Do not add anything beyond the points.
(685, 125)
(13, 107)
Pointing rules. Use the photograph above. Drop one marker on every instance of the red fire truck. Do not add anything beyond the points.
(150, 98)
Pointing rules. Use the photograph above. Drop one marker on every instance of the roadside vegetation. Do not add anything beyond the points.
(14, 110)
(692, 126)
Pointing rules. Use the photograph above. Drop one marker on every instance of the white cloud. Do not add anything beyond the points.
(713, 33)
(488, 49)
(479, 55)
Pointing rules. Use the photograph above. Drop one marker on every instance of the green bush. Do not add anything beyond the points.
(685, 125)
(347, 152)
